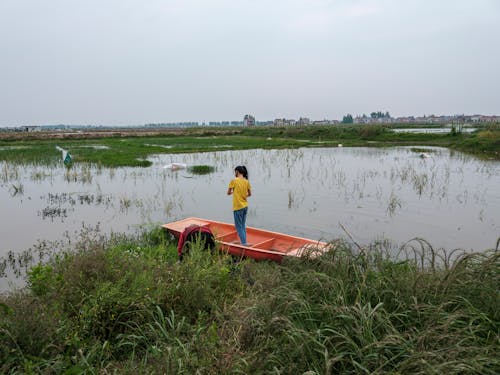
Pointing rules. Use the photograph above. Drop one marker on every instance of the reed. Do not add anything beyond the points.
(123, 304)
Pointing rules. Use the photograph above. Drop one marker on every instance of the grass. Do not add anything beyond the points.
(201, 169)
(125, 305)
(485, 142)
(134, 150)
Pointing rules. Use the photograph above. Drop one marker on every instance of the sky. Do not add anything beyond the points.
(133, 62)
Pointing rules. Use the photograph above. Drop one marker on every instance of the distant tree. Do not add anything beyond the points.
(380, 114)
(347, 119)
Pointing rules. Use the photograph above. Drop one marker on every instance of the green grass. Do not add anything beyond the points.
(134, 151)
(485, 142)
(201, 169)
(125, 305)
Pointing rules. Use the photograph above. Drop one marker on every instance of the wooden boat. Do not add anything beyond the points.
(262, 244)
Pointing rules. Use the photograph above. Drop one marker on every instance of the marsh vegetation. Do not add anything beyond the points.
(124, 304)
(201, 169)
(413, 288)
(134, 148)
(390, 195)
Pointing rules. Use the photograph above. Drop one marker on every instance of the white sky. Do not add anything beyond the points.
(130, 62)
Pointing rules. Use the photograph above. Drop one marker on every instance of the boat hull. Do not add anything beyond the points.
(262, 244)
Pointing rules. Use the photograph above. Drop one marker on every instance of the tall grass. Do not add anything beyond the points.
(486, 142)
(367, 314)
(125, 305)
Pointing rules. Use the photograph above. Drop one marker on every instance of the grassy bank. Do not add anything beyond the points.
(132, 149)
(124, 305)
(485, 142)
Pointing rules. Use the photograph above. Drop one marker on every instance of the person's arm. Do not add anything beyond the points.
(249, 194)
(229, 191)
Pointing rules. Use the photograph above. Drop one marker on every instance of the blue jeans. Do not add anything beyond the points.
(240, 219)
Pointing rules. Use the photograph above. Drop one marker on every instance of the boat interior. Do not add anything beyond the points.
(257, 239)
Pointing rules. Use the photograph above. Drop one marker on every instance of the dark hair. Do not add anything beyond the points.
(243, 170)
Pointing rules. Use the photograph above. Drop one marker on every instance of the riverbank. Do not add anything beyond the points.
(132, 148)
(124, 304)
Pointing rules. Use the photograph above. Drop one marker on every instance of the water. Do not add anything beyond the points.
(449, 199)
(432, 130)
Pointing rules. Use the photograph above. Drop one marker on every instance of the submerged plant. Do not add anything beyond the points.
(17, 189)
(125, 203)
(394, 203)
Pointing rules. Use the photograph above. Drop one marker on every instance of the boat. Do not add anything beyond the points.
(262, 244)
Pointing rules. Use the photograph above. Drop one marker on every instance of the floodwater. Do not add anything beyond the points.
(449, 199)
(432, 130)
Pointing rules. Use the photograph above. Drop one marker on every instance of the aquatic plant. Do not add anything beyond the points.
(17, 189)
(394, 203)
(125, 203)
(201, 169)
(9, 172)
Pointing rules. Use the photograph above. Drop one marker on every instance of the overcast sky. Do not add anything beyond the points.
(130, 62)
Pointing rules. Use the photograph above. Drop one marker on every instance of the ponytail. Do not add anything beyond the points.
(243, 170)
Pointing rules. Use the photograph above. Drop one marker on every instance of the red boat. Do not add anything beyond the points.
(262, 244)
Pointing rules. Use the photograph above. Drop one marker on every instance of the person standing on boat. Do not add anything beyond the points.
(241, 189)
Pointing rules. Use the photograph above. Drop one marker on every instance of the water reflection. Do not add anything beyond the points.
(449, 199)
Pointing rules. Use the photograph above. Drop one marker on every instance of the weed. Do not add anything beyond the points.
(394, 203)
(123, 304)
(201, 169)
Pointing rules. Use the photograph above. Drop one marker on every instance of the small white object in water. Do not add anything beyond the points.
(175, 166)
(424, 155)
(340, 145)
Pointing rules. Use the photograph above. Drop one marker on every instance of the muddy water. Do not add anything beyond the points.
(447, 198)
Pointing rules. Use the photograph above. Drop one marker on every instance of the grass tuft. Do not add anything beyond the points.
(201, 169)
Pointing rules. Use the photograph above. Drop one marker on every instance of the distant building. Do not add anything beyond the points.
(284, 122)
(362, 119)
(279, 122)
(249, 120)
(304, 121)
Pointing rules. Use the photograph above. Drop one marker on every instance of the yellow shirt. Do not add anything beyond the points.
(240, 187)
